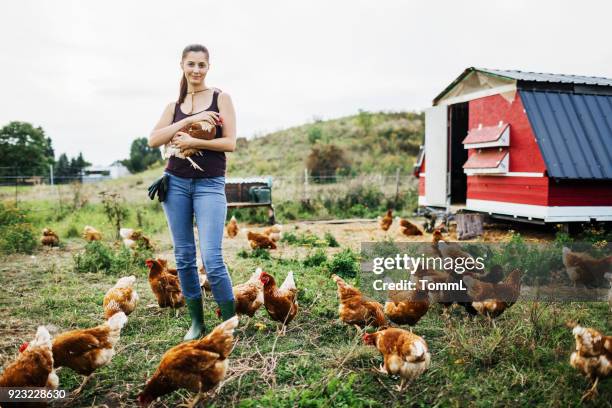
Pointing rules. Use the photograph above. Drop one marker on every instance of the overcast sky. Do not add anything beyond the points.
(96, 75)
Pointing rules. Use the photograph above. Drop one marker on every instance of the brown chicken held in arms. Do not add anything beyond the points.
(257, 240)
(492, 299)
(33, 367)
(281, 303)
(585, 269)
(408, 229)
(404, 353)
(386, 221)
(49, 237)
(232, 227)
(197, 365)
(406, 306)
(248, 296)
(199, 130)
(164, 284)
(86, 350)
(357, 309)
(91, 234)
(593, 355)
(120, 298)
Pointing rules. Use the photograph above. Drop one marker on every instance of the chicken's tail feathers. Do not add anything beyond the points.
(289, 282)
(125, 232)
(117, 321)
(42, 338)
(126, 281)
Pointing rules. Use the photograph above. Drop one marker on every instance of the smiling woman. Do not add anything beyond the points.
(196, 181)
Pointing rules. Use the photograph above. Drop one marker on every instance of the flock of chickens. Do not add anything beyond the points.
(200, 365)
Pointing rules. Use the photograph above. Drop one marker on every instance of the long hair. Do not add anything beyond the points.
(187, 50)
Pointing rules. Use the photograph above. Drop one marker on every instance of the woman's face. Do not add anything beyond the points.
(195, 66)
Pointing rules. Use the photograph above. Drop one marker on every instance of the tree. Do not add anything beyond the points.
(324, 161)
(62, 167)
(141, 156)
(25, 150)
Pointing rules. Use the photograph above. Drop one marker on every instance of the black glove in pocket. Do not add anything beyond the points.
(159, 188)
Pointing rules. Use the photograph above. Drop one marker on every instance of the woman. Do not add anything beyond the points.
(199, 192)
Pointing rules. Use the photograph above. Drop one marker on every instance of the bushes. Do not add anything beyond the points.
(309, 239)
(98, 257)
(315, 259)
(16, 232)
(344, 264)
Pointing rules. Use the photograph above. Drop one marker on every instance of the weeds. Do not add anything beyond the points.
(115, 211)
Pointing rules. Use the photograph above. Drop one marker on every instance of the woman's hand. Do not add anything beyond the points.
(207, 116)
(183, 141)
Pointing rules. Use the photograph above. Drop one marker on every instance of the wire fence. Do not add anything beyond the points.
(73, 192)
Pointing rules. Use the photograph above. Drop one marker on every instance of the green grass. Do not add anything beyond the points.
(523, 361)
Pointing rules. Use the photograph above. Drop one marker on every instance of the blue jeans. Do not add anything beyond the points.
(204, 197)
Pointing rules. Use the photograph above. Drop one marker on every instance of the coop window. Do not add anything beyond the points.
(487, 161)
(488, 136)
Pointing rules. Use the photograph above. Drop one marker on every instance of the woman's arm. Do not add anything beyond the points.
(165, 129)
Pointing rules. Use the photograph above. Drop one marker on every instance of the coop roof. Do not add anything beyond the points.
(573, 132)
(489, 78)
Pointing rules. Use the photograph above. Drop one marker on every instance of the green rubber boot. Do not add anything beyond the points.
(228, 309)
(196, 311)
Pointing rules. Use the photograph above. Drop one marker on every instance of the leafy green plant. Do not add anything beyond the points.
(316, 258)
(16, 232)
(331, 240)
(344, 264)
(257, 253)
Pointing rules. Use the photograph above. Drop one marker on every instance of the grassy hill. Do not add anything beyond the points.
(365, 139)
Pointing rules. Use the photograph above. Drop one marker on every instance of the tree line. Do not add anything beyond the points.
(25, 150)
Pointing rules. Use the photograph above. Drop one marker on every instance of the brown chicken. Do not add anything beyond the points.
(120, 298)
(406, 306)
(203, 278)
(273, 232)
(91, 234)
(357, 309)
(593, 355)
(164, 284)
(404, 353)
(386, 221)
(249, 295)
(257, 240)
(85, 350)
(133, 238)
(197, 365)
(281, 303)
(33, 367)
(409, 229)
(585, 269)
(49, 237)
(232, 227)
(492, 299)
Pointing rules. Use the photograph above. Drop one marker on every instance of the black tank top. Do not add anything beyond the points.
(212, 162)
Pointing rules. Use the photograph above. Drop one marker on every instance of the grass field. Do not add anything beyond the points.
(522, 361)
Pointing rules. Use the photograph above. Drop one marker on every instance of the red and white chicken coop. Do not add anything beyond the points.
(521, 145)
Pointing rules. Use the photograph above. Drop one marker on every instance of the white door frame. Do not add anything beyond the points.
(436, 156)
